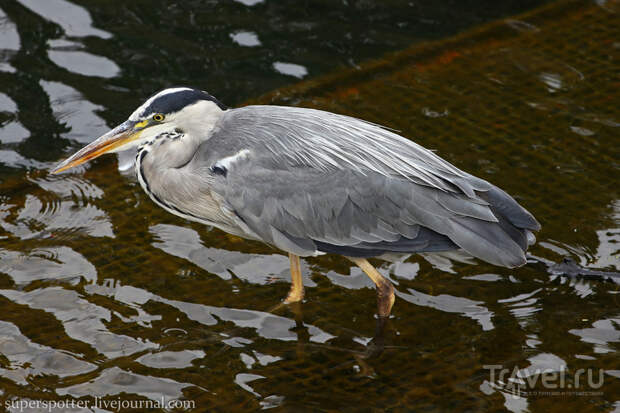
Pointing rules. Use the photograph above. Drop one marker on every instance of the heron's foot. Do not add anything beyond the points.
(385, 298)
(385, 289)
(295, 295)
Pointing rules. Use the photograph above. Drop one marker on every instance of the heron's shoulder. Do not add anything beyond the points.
(293, 115)
(306, 129)
(328, 141)
(325, 141)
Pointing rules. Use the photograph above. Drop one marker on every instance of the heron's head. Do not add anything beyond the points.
(178, 111)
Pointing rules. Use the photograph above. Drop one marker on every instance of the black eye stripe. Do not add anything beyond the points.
(174, 102)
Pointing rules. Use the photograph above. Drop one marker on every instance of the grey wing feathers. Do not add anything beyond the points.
(318, 182)
(328, 141)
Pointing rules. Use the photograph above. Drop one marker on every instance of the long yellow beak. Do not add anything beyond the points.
(124, 133)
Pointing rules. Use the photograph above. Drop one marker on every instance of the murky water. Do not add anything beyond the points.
(104, 297)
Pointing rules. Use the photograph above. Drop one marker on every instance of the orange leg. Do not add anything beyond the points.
(297, 288)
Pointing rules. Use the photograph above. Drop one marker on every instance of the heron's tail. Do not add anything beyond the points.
(514, 220)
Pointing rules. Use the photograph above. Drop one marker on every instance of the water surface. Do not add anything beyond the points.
(104, 295)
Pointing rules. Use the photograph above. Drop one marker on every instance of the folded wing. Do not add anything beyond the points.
(311, 181)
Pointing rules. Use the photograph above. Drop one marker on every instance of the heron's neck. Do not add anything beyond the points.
(163, 185)
(162, 163)
(181, 193)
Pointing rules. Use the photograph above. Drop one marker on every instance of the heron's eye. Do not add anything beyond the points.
(158, 117)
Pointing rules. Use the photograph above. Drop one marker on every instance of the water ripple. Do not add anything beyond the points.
(40, 218)
(267, 325)
(11, 131)
(524, 306)
(291, 69)
(28, 359)
(185, 243)
(52, 263)
(242, 380)
(84, 63)
(10, 42)
(450, 304)
(13, 159)
(115, 381)
(71, 108)
(74, 20)
(247, 39)
(81, 319)
(171, 359)
(601, 334)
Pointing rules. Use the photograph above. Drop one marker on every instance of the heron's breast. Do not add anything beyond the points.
(182, 193)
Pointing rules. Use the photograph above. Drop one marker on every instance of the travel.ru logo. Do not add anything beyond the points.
(532, 381)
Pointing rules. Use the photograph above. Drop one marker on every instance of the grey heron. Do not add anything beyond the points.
(311, 182)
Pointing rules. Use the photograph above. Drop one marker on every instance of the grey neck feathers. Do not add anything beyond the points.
(162, 163)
